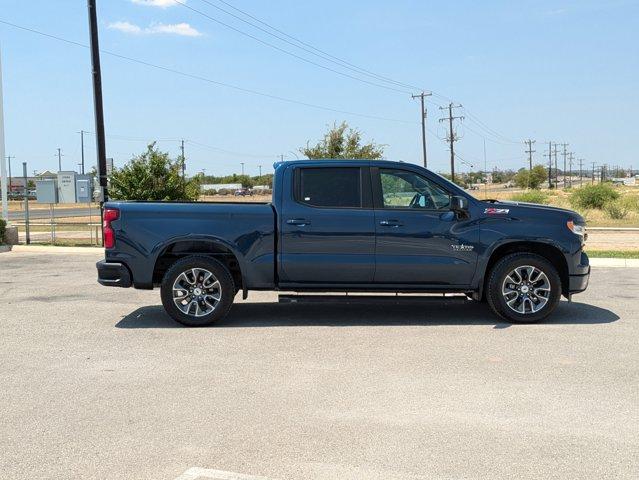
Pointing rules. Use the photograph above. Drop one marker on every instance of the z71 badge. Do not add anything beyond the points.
(462, 247)
(496, 211)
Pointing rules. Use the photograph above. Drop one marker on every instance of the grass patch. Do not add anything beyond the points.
(613, 253)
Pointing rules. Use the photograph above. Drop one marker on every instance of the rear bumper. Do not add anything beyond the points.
(113, 274)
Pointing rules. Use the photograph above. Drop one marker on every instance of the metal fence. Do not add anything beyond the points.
(77, 224)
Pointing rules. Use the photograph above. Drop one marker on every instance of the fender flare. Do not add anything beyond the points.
(482, 265)
(162, 246)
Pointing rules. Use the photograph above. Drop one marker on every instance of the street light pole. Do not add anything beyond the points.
(3, 182)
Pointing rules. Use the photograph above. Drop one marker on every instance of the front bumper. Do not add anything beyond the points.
(113, 274)
(580, 274)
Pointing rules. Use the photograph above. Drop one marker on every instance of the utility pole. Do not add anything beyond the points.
(260, 167)
(530, 151)
(9, 157)
(451, 137)
(565, 154)
(556, 169)
(242, 163)
(183, 159)
(59, 154)
(549, 155)
(570, 159)
(82, 151)
(581, 165)
(96, 74)
(593, 174)
(423, 113)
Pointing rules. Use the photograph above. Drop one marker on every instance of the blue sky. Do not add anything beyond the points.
(559, 70)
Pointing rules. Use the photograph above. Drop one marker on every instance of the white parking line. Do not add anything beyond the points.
(196, 473)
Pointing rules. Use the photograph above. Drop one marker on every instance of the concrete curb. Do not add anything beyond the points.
(614, 262)
(53, 249)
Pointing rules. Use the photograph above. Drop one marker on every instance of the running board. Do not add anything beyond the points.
(368, 299)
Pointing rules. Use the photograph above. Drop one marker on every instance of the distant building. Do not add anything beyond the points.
(220, 186)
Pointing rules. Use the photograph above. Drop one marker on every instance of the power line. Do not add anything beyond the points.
(297, 43)
(329, 57)
(299, 57)
(211, 81)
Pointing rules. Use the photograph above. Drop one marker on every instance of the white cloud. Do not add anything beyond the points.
(182, 29)
(125, 27)
(157, 3)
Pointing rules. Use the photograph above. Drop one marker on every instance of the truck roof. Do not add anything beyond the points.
(339, 160)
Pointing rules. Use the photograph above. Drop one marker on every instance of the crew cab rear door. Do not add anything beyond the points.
(419, 239)
(327, 225)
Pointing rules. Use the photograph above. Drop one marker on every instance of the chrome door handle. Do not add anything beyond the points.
(390, 223)
(300, 222)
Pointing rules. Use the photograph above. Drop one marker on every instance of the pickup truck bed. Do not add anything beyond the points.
(166, 229)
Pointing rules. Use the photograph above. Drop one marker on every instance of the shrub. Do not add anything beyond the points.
(3, 227)
(153, 176)
(531, 196)
(594, 196)
(616, 209)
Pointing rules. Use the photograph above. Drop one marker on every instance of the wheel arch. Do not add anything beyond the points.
(213, 247)
(547, 250)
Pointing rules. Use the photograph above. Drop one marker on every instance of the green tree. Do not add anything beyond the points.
(342, 141)
(503, 176)
(153, 176)
(531, 179)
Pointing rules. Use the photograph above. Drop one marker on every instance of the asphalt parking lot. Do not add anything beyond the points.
(100, 383)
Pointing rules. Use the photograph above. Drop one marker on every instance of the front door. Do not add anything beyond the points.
(419, 240)
(328, 226)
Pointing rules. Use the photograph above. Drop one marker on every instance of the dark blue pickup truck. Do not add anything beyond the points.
(347, 226)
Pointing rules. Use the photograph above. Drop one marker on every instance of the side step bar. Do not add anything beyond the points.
(367, 299)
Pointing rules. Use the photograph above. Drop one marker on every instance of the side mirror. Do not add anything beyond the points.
(459, 204)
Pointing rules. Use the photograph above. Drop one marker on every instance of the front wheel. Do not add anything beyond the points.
(197, 291)
(523, 288)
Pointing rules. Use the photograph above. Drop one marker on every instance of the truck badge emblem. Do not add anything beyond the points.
(462, 247)
(496, 211)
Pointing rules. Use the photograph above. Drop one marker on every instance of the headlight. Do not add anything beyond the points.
(576, 229)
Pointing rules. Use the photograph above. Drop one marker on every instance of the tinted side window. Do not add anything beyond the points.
(330, 187)
(404, 189)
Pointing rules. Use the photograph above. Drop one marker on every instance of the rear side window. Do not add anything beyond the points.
(330, 187)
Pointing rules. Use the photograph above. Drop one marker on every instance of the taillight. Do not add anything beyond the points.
(109, 215)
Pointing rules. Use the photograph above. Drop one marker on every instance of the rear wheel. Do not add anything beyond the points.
(197, 291)
(523, 288)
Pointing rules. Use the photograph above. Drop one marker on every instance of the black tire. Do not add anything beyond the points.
(226, 290)
(497, 280)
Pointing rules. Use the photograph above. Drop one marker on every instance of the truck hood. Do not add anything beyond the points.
(524, 207)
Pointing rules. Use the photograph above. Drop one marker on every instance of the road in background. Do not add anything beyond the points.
(100, 383)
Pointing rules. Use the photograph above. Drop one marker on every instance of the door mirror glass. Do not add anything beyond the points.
(459, 204)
